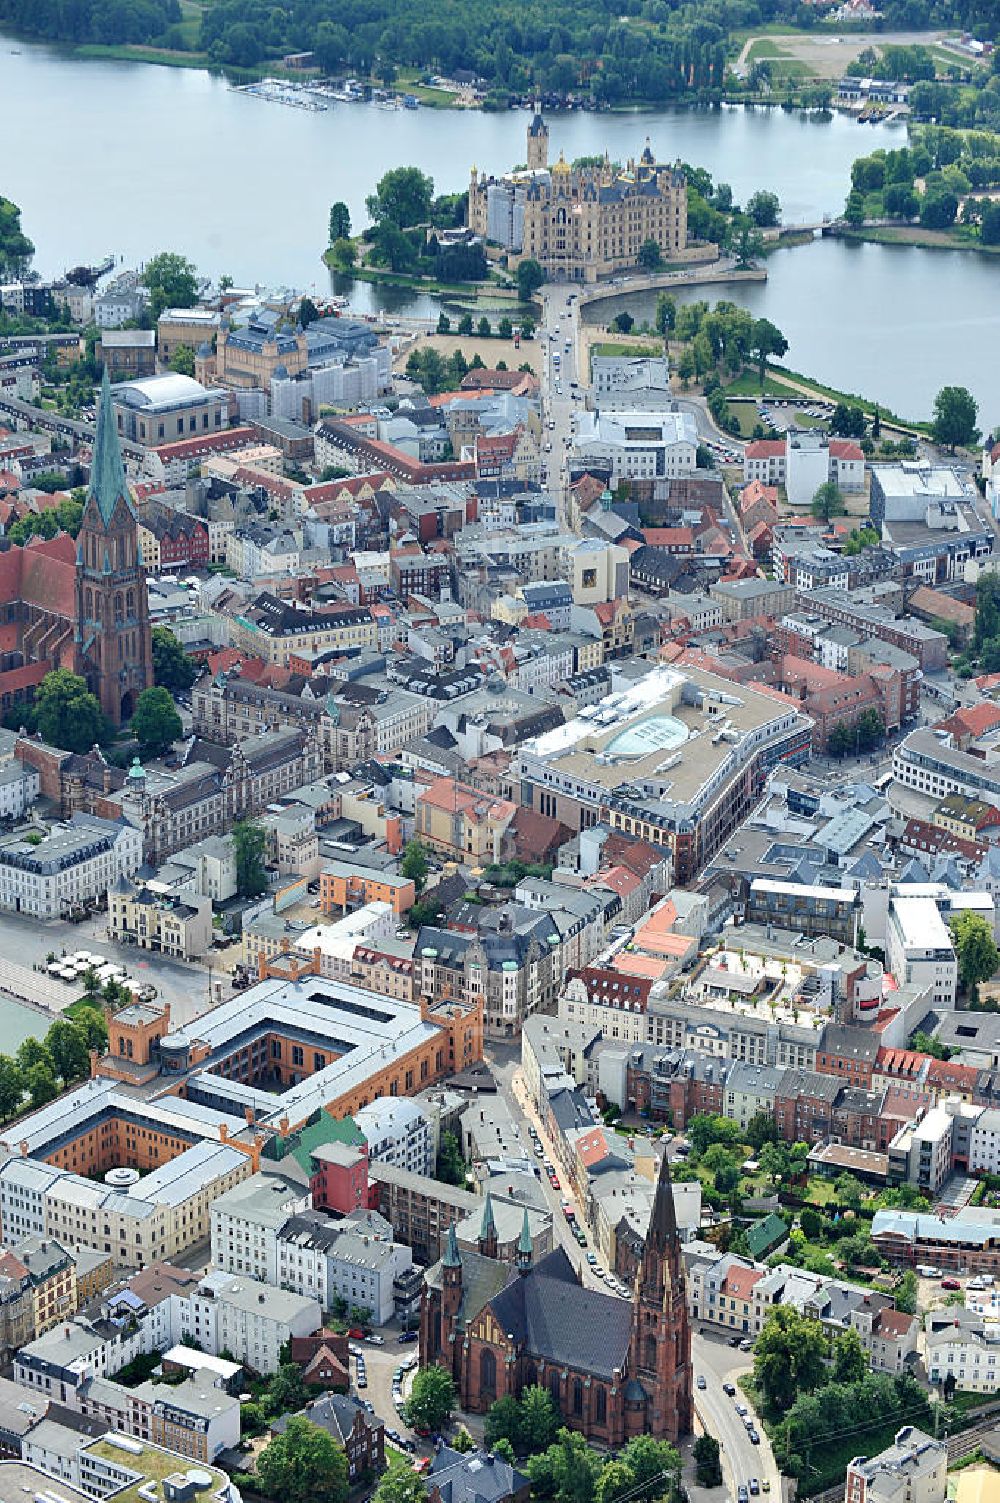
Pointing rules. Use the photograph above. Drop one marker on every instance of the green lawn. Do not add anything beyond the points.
(782, 66)
(629, 351)
(820, 1191)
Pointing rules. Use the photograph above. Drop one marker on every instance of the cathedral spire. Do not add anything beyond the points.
(107, 472)
(662, 1233)
(451, 1258)
(524, 1248)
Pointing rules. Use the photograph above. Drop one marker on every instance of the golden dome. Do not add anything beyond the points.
(562, 165)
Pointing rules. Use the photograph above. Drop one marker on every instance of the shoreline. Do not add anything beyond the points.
(907, 235)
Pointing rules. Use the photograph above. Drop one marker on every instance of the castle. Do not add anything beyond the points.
(83, 605)
(614, 1369)
(580, 223)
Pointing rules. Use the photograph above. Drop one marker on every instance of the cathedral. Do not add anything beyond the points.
(580, 223)
(614, 1368)
(83, 605)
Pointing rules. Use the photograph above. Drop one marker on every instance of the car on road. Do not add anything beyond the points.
(746, 1345)
(592, 1259)
(375, 1339)
(754, 1486)
(765, 1485)
(754, 1437)
(701, 1381)
(361, 1381)
(729, 1390)
(742, 1495)
(409, 1336)
(950, 1284)
(554, 1182)
(741, 1410)
(356, 1333)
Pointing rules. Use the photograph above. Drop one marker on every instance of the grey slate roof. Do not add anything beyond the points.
(553, 1316)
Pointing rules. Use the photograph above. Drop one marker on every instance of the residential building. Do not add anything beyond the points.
(919, 946)
(914, 1469)
(177, 924)
(360, 1434)
(70, 868)
(964, 1346)
(461, 822)
(397, 1132)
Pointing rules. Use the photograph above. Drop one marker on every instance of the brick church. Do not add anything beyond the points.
(81, 605)
(615, 1369)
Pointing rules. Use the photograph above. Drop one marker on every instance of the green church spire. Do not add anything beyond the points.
(488, 1228)
(451, 1258)
(107, 472)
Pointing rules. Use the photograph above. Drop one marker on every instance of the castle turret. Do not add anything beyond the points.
(538, 142)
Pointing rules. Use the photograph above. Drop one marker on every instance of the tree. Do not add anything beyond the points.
(623, 323)
(539, 1418)
(706, 1128)
(182, 360)
(465, 324)
(989, 228)
(156, 725)
(505, 328)
(938, 210)
(650, 256)
(666, 314)
(94, 1029)
(530, 277)
(840, 740)
(685, 365)
(978, 956)
(906, 1293)
(850, 1191)
(450, 1167)
(344, 253)
(30, 1052)
(761, 1129)
(925, 1043)
(653, 1463)
(764, 209)
(432, 1398)
(308, 312)
(303, 1465)
(848, 420)
(811, 1223)
(708, 1467)
(172, 668)
(16, 250)
(401, 1485)
(747, 243)
(340, 221)
(287, 1390)
(503, 1447)
(828, 502)
(171, 281)
(402, 198)
(483, 328)
(249, 842)
(849, 1361)
(414, 864)
(67, 1045)
(503, 1422)
(955, 413)
(616, 1481)
(67, 715)
(773, 1160)
(11, 1086)
(463, 1443)
(41, 1083)
(766, 339)
(788, 1357)
(572, 1466)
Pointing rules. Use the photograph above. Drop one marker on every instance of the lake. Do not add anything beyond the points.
(18, 1022)
(131, 159)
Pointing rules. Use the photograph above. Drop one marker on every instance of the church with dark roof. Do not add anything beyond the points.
(615, 1368)
(83, 605)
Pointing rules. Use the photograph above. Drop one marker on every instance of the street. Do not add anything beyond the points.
(26, 941)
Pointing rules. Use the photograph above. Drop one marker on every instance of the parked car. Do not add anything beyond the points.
(409, 1336)
(754, 1487)
(754, 1438)
(729, 1390)
(950, 1284)
(592, 1259)
(701, 1381)
(375, 1339)
(741, 1410)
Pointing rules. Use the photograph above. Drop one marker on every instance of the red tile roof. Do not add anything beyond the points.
(843, 448)
(766, 448)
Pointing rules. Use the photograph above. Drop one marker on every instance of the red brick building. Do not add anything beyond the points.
(614, 1370)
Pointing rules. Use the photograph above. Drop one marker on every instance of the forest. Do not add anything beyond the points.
(612, 50)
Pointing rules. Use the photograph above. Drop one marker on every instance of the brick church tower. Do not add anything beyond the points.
(114, 651)
(660, 1356)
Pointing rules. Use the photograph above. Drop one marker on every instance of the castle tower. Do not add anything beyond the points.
(488, 1230)
(114, 645)
(660, 1354)
(525, 1252)
(538, 142)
